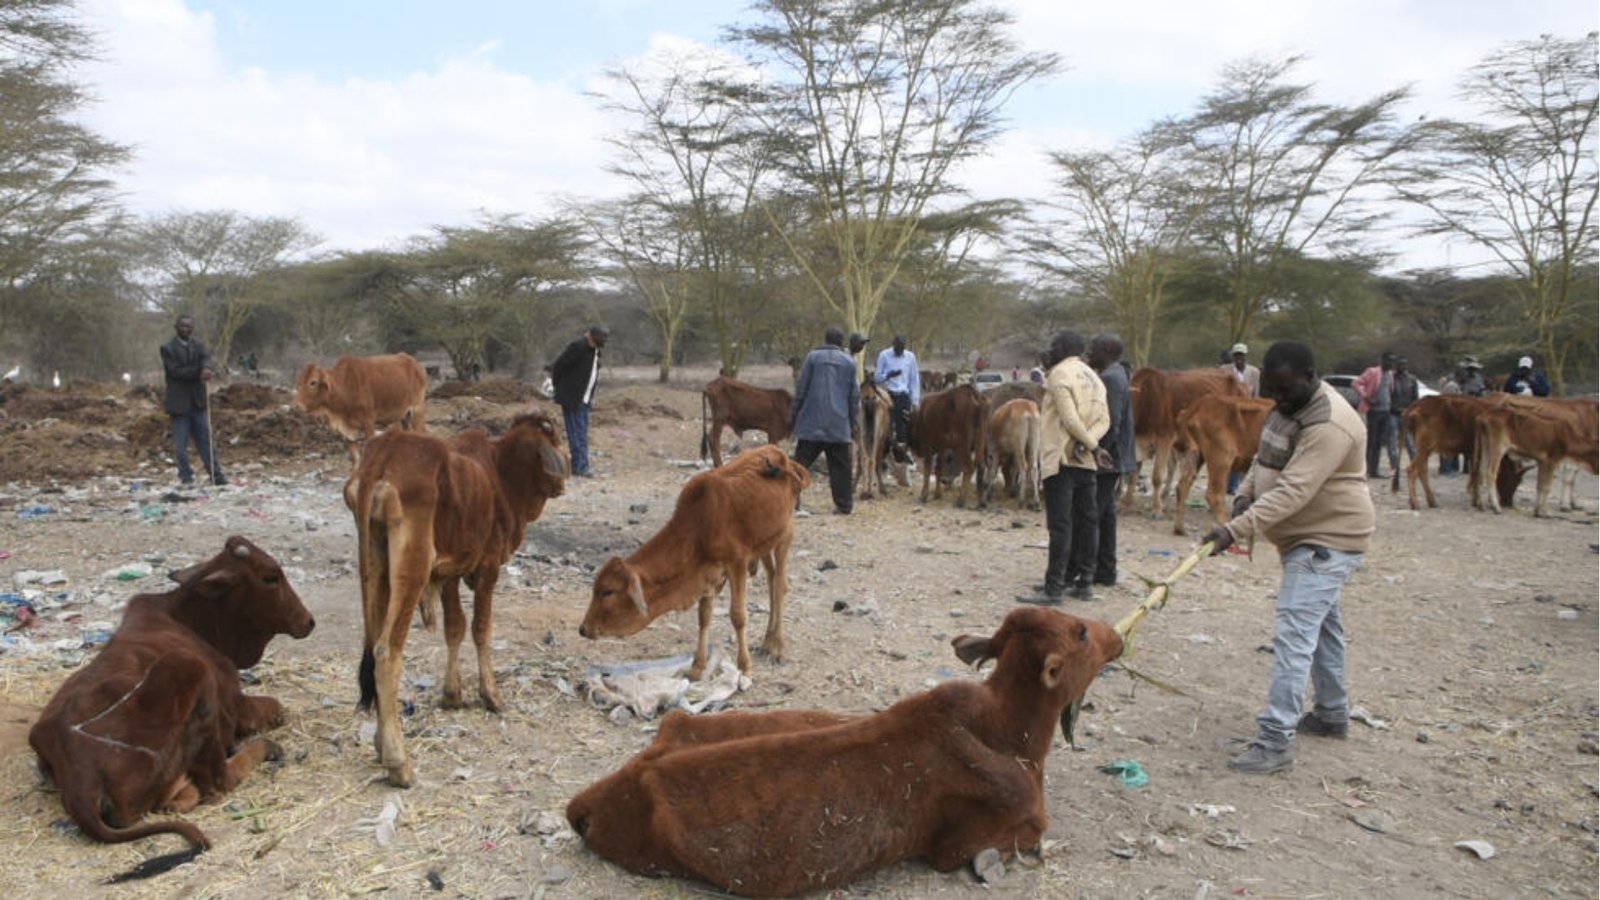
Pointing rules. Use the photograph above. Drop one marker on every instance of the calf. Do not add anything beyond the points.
(1223, 432)
(742, 407)
(1014, 448)
(872, 440)
(157, 720)
(361, 394)
(429, 514)
(951, 421)
(1439, 424)
(1548, 432)
(1158, 397)
(773, 804)
(725, 520)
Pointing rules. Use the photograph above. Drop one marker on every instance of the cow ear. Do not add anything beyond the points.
(1054, 666)
(553, 461)
(973, 650)
(216, 585)
(636, 592)
(184, 576)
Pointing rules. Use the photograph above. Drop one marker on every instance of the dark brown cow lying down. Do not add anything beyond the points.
(157, 719)
(770, 804)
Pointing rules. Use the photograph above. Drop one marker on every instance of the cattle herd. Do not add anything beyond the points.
(158, 720)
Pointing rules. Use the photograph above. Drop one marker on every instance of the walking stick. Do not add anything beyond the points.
(216, 468)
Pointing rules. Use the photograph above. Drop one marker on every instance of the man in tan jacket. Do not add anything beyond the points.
(1074, 417)
(1306, 492)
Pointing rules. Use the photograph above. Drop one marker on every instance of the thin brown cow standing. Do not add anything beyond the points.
(431, 513)
(158, 720)
(1159, 397)
(726, 403)
(774, 804)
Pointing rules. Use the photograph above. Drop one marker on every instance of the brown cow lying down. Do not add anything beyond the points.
(725, 520)
(157, 719)
(769, 804)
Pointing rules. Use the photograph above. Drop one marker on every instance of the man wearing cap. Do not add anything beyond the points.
(897, 372)
(1526, 381)
(574, 374)
(858, 343)
(1248, 375)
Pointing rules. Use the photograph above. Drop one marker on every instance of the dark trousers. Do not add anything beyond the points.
(1379, 421)
(193, 424)
(806, 453)
(900, 417)
(1070, 515)
(1105, 501)
(577, 421)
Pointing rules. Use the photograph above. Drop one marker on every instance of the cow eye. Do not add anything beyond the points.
(272, 579)
(1083, 632)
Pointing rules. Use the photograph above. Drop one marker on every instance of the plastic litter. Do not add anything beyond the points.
(1128, 771)
(45, 578)
(1481, 849)
(129, 572)
(34, 511)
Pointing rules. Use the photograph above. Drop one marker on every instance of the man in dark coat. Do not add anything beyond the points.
(187, 364)
(826, 408)
(574, 374)
(1116, 455)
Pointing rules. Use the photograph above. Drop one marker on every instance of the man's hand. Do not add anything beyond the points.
(893, 373)
(1241, 503)
(1220, 539)
(205, 374)
(1102, 459)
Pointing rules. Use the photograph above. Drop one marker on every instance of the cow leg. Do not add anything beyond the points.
(716, 442)
(1419, 469)
(777, 566)
(482, 631)
(1180, 497)
(698, 667)
(455, 629)
(1217, 487)
(181, 797)
(242, 763)
(1158, 468)
(927, 472)
(1547, 471)
(258, 714)
(738, 612)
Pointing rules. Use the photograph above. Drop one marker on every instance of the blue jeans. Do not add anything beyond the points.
(193, 424)
(577, 422)
(1307, 640)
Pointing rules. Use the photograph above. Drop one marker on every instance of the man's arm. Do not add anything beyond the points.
(176, 369)
(802, 384)
(1316, 457)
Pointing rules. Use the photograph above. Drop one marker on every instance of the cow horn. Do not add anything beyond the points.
(241, 551)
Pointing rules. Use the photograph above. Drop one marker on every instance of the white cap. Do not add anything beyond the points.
(1240, 348)
(1525, 363)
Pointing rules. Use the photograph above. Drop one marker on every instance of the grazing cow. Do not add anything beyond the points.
(1548, 432)
(157, 720)
(725, 520)
(948, 432)
(361, 394)
(1014, 448)
(1158, 398)
(431, 513)
(773, 804)
(742, 407)
(1223, 432)
(872, 440)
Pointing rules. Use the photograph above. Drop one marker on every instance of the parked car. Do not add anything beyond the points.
(987, 379)
(1346, 386)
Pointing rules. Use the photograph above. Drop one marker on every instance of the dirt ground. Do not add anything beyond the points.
(1473, 652)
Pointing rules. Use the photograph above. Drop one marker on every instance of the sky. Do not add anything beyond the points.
(371, 122)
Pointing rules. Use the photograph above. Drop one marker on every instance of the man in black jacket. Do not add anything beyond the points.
(574, 374)
(187, 364)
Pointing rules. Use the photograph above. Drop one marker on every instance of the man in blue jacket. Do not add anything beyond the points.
(827, 399)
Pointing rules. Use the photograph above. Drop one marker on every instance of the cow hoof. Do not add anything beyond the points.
(492, 702)
(271, 751)
(773, 653)
(402, 776)
(451, 700)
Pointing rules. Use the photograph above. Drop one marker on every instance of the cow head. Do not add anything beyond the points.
(617, 606)
(1042, 650)
(530, 463)
(239, 600)
(311, 387)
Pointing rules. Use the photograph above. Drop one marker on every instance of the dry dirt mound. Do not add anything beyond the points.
(249, 395)
(497, 390)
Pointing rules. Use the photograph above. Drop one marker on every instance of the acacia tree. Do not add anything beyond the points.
(55, 197)
(214, 265)
(872, 104)
(1280, 175)
(1117, 230)
(655, 251)
(1521, 183)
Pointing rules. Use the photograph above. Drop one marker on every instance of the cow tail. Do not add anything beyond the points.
(84, 808)
(705, 431)
(368, 562)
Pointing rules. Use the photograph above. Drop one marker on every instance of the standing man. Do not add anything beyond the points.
(1405, 394)
(1074, 419)
(1116, 455)
(574, 374)
(1248, 375)
(827, 401)
(858, 343)
(1526, 381)
(1376, 387)
(897, 372)
(187, 364)
(1305, 493)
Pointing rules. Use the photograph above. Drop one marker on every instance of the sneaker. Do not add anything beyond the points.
(1258, 759)
(840, 511)
(1310, 723)
(219, 480)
